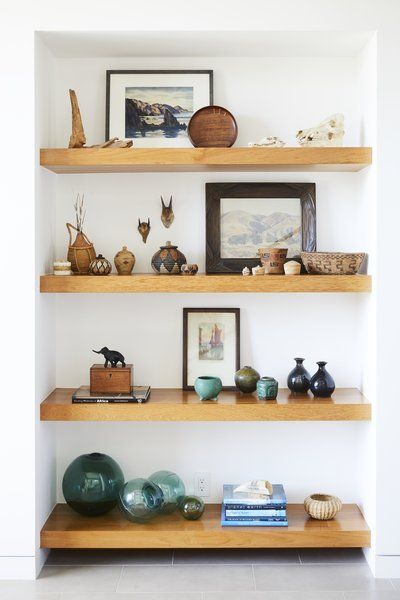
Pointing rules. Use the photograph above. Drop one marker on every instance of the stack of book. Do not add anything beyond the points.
(241, 509)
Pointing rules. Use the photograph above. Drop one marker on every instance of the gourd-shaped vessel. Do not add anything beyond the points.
(81, 252)
(124, 261)
(91, 484)
(168, 260)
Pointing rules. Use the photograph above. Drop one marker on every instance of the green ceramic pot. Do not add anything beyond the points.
(191, 508)
(246, 379)
(267, 388)
(91, 484)
(208, 387)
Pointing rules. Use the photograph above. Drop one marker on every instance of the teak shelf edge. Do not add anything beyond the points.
(202, 283)
(115, 160)
(347, 404)
(66, 529)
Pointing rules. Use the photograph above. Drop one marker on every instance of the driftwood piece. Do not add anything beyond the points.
(77, 139)
(114, 143)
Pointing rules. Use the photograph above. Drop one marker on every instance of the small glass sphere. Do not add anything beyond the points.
(191, 508)
(91, 484)
(140, 500)
(172, 487)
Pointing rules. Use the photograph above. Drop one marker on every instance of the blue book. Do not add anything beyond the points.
(254, 513)
(245, 499)
(253, 523)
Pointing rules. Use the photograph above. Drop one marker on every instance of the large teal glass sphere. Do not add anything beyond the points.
(172, 487)
(140, 500)
(91, 484)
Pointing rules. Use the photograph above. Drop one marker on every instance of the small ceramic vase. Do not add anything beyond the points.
(168, 260)
(124, 261)
(246, 379)
(267, 388)
(100, 266)
(298, 380)
(272, 259)
(191, 508)
(292, 267)
(322, 507)
(208, 387)
(322, 384)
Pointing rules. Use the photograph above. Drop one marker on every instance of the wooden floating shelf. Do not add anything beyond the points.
(347, 404)
(66, 529)
(153, 283)
(130, 160)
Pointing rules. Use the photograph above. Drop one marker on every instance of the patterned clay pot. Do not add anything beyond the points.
(168, 260)
(322, 384)
(208, 387)
(267, 388)
(298, 380)
(322, 507)
(124, 261)
(100, 266)
(273, 259)
(246, 379)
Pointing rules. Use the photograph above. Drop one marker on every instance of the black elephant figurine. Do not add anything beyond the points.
(111, 356)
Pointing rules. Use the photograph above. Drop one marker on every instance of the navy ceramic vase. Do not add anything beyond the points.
(298, 380)
(322, 384)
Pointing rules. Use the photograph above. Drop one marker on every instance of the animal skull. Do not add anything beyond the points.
(144, 229)
(167, 214)
(328, 133)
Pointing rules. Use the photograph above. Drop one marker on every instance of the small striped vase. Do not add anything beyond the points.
(322, 506)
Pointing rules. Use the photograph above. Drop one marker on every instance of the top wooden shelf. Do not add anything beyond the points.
(129, 160)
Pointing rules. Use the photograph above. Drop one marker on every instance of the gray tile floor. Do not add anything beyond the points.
(204, 575)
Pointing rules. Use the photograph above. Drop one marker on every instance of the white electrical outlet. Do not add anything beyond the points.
(202, 484)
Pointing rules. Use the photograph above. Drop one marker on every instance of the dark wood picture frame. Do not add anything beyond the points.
(109, 73)
(215, 191)
(186, 311)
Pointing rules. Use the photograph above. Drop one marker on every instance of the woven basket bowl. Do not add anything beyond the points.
(322, 506)
(332, 263)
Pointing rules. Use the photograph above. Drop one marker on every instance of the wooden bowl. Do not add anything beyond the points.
(332, 263)
(212, 127)
(322, 507)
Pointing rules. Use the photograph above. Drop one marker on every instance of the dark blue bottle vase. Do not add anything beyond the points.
(298, 380)
(322, 384)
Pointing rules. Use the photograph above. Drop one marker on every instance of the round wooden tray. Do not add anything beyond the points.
(212, 127)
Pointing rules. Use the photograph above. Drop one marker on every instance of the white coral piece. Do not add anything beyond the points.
(328, 133)
(268, 142)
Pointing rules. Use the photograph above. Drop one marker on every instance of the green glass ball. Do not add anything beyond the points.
(91, 484)
(172, 487)
(191, 507)
(140, 500)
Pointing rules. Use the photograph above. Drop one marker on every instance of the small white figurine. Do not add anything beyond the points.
(268, 142)
(329, 132)
(246, 271)
(258, 270)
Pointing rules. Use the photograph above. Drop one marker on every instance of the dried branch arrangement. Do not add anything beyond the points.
(80, 211)
(78, 138)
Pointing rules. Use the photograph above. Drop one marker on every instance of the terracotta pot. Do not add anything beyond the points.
(124, 261)
(273, 259)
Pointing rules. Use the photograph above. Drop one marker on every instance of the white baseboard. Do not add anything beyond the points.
(387, 567)
(17, 567)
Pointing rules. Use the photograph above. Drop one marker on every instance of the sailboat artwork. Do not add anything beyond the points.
(211, 341)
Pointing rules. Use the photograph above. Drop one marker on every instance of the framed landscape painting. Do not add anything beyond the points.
(153, 108)
(211, 345)
(243, 217)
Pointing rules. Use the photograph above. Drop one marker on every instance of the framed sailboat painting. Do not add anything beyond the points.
(211, 345)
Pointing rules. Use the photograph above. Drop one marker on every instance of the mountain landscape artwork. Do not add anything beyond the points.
(251, 223)
(157, 112)
(211, 341)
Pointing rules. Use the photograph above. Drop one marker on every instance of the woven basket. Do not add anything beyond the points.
(81, 252)
(322, 506)
(332, 263)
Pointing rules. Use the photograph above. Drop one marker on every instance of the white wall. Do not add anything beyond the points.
(19, 20)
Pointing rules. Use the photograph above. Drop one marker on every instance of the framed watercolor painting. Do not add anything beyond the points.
(243, 217)
(211, 345)
(153, 108)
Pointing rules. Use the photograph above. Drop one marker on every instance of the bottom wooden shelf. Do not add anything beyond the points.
(66, 529)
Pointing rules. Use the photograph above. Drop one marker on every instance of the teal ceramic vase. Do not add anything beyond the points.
(172, 488)
(91, 484)
(191, 508)
(246, 380)
(140, 500)
(267, 388)
(207, 387)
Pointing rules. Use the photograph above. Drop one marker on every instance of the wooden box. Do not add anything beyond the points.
(112, 380)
